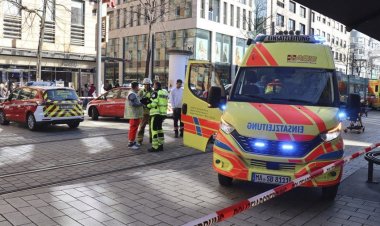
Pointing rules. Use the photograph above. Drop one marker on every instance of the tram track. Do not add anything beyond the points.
(89, 175)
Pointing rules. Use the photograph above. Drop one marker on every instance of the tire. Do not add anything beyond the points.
(3, 121)
(94, 113)
(73, 125)
(329, 193)
(224, 180)
(31, 122)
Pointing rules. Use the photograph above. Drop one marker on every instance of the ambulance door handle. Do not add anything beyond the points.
(184, 109)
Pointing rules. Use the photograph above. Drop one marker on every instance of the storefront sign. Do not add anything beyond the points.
(69, 63)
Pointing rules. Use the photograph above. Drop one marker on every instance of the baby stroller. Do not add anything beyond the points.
(354, 113)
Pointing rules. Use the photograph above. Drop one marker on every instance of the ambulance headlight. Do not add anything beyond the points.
(225, 127)
(332, 134)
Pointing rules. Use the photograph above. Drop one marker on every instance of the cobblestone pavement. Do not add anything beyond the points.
(87, 176)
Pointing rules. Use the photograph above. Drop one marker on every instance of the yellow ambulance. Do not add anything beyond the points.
(280, 119)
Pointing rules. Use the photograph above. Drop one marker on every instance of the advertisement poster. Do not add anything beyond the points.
(218, 51)
(226, 53)
(239, 52)
(201, 49)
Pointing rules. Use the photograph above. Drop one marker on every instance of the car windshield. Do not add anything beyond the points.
(280, 85)
(61, 94)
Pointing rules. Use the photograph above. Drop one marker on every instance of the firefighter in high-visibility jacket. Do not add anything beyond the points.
(158, 110)
(273, 87)
(145, 94)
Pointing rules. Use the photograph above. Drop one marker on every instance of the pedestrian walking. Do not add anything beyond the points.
(134, 112)
(145, 94)
(92, 90)
(157, 110)
(175, 98)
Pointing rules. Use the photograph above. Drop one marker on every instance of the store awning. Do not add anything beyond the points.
(363, 16)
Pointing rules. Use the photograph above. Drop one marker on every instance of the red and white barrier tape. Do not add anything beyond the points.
(230, 211)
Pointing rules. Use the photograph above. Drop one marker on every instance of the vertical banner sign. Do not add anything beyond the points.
(105, 25)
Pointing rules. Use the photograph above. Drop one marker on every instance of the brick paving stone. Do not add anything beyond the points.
(37, 203)
(97, 215)
(6, 209)
(74, 213)
(126, 219)
(66, 221)
(169, 219)
(40, 219)
(16, 218)
(81, 206)
(17, 202)
(145, 218)
(90, 222)
(60, 205)
(113, 223)
(50, 211)
(28, 211)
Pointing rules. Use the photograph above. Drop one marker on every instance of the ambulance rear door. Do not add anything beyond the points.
(200, 121)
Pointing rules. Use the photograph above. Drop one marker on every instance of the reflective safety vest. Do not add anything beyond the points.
(145, 94)
(159, 104)
(131, 112)
(273, 87)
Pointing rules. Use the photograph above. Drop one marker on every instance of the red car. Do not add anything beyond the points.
(109, 104)
(37, 106)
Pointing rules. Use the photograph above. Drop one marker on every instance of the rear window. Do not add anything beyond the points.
(61, 94)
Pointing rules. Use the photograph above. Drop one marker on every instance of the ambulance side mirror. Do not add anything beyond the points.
(214, 96)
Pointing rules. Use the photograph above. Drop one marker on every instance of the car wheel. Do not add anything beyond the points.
(3, 121)
(94, 113)
(73, 125)
(32, 122)
(224, 180)
(329, 193)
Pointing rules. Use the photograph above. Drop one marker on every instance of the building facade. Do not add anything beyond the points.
(68, 45)
(364, 56)
(213, 30)
(280, 15)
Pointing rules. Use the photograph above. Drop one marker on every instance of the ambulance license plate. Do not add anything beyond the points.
(269, 179)
(67, 107)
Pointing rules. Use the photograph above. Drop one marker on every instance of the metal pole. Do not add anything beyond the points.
(99, 50)
(41, 41)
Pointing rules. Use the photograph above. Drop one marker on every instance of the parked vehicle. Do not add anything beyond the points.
(41, 105)
(109, 104)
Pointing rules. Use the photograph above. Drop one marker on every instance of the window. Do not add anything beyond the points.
(341, 28)
(318, 18)
(112, 94)
(303, 12)
(292, 7)
(124, 93)
(232, 15)
(125, 17)
(312, 31)
(14, 94)
(324, 20)
(225, 12)
(131, 17)
(323, 34)
(202, 77)
(24, 94)
(203, 9)
(313, 16)
(238, 17)
(33, 94)
(280, 3)
(61, 94)
(77, 12)
(77, 23)
(249, 21)
(117, 19)
(214, 11)
(111, 20)
(328, 37)
(138, 15)
(291, 25)
(245, 19)
(10, 9)
(302, 28)
(280, 20)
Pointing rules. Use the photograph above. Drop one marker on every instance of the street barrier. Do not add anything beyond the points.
(237, 208)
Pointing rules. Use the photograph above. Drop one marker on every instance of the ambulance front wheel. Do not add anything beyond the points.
(224, 180)
(329, 193)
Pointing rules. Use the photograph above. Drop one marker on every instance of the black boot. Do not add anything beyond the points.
(153, 149)
(176, 133)
(160, 148)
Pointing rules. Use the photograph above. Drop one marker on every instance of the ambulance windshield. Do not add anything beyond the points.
(281, 85)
